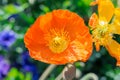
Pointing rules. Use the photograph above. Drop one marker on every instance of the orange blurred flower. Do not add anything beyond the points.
(59, 37)
(103, 30)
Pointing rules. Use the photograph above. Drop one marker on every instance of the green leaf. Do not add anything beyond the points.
(14, 74)
(13, 9)
(45, 8)
(28, 76)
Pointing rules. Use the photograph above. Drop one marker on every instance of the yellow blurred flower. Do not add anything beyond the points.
(104, 25)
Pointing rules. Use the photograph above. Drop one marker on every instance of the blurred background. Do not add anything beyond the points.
(16, 16)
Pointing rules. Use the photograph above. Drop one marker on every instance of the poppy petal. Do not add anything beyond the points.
(66, 20)
(115, 26)
(93, 21)
(97, 46)
(81, 47)
(114, 49)
(105, 10)
(32, 34)
(45, 55)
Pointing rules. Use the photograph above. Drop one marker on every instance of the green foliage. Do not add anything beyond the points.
(11, 9)
(14, 74)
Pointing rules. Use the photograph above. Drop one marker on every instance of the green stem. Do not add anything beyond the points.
(47, 72)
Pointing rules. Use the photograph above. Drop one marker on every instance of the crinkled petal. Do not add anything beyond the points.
(82, 47)
(32, 35)
(105, 10)
(114, 49)
(44, 54)
(35, 35)
(93, 22)
(115, 26)
(117, 13)
(68, 21)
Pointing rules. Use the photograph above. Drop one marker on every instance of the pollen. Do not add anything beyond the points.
(58, 44)
(101, 34)
(57, 40)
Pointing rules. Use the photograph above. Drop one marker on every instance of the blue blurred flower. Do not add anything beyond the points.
(13, 16)
(26, 65)
(7, 38)
(31, 68)
(25, 58)
(4, 67)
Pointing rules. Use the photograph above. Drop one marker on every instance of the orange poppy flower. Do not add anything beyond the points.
(103, 29)
(59, 37)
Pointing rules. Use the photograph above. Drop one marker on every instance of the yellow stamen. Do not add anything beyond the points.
(58, 44)
(102, 33)
(57, 40)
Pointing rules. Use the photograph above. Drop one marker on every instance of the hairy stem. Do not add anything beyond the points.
(47, 72)
(90, 76)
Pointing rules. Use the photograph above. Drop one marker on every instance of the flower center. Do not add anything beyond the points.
(57, 39)
(101, 34)
(58, 44)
